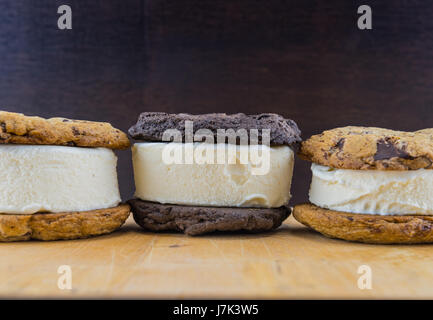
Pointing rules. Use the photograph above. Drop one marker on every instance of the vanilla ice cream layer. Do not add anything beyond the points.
(373, 191)
(229, 181)
(36, 178)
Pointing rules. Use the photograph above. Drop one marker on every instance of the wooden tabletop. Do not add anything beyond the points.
(292, 262)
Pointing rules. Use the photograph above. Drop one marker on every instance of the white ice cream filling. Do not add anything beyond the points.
(216, 184)
(373, 191)
(39, 178)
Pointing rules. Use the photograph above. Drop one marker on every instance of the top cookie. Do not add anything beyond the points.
(151, 125)
(364, 148)
(16, 128)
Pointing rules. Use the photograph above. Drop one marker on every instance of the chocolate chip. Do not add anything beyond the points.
(340, 144)
(426, 227)
(386, 149)
(337, 147)
(75, 131)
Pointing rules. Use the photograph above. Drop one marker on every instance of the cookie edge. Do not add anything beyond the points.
(283, 213)
(322, 149)
(48, 226)
(366, 228)
(295, 138)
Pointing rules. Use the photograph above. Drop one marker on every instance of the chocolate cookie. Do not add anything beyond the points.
(62, 226)
(366, 228)
(365, 148)
(151, 125)
(16, 128)
(200, 220)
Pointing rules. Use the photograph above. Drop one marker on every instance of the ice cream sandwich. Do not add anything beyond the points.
(212, 172)
(58, 178)
(370, 185)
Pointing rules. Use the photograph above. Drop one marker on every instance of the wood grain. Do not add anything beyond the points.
(292, 262)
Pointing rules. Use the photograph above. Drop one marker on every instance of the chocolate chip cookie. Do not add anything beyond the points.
(62, 226)
(16, 128)
(367, 228)
(366, 148)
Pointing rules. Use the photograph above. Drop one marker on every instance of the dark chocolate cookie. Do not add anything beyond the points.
(151, 125)
(200, 220)
(365, 148)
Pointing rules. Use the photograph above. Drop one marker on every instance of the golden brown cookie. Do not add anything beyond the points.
(17, 128)
(62, 226)
(366, 227)
(364, 148)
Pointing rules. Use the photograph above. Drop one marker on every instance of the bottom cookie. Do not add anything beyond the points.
(62, 226)
(367, 228)
(200, 220)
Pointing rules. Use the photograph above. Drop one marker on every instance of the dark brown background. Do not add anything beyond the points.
(303, 59)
